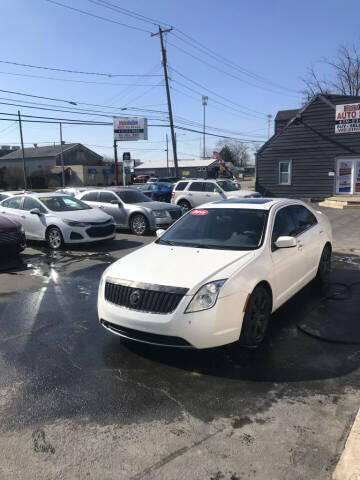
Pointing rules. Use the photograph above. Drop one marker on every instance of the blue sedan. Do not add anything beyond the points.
(157, 191)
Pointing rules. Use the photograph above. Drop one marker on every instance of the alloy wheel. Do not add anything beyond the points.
(54, 238)
(139, 225)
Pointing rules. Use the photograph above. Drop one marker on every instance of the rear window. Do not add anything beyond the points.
(181, 186)
(196, 187)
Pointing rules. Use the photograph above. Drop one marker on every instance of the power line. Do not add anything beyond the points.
(98, 16)
(230, 74)
(220, 58)
(217, 94)
(56, 69)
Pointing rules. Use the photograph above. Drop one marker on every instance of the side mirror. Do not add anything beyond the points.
(160, 232)
(35, 211)
(285, 242)
(115, 202)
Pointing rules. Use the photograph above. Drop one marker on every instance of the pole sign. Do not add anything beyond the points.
(126, 129)
(347, 118)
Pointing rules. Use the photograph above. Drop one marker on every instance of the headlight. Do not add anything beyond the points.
(72, 223)
(205, 297)
(159, 213)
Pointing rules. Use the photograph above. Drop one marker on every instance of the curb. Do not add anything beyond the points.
(348, 467)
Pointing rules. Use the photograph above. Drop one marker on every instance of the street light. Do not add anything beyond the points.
(204, 103)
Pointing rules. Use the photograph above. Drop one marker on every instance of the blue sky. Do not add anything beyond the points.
(276, 40)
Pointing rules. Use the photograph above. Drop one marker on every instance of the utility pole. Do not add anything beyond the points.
(167, 155)
(116, 168)
(164, 62)
(62, 158)
(204, 103)
(22, 151)
(269, 117)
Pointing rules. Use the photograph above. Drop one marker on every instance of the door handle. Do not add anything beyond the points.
(23, 216)
(100, 206)
(321, 232)
(208, 195)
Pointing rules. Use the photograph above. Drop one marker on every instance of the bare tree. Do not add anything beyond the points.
(239, 152)
(344, 77)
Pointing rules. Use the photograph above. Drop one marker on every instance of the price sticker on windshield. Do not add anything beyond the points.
(199, 212)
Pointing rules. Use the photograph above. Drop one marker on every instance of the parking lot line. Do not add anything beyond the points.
(348, 467)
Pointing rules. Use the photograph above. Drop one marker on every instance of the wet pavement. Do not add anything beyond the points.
(77, 402)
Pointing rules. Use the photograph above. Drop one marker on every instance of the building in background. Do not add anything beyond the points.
(187, 168)
(314, 152)
(43, 167)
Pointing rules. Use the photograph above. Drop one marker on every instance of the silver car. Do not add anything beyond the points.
(132, 209)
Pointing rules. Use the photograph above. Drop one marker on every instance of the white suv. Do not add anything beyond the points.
(192, 193)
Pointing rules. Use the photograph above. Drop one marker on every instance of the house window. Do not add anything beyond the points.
(285, 173)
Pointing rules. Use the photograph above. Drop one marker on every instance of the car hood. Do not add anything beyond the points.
(7, 223)
(185, 267)
(240, 193)
(157, 206)
(91, 215)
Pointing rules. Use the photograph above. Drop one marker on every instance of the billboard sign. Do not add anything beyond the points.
(347, 118)
(126, 129)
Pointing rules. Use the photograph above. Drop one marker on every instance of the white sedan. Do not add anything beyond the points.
(58, 219)
(217, 274)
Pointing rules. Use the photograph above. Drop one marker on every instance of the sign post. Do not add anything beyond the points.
(126, 164)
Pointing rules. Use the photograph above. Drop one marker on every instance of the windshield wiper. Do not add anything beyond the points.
(167, 242)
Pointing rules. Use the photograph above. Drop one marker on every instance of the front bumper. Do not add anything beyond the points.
(216, 326)
(82, 234)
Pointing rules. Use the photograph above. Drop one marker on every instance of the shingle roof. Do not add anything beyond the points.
(35, 152)
(286, 114)
(181, 164)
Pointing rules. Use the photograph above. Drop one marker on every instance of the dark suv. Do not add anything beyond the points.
(12, 236)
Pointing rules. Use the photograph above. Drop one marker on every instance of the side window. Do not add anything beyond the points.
(30, 203)
(2, 197)
(12, 202)
(209, 187)
(303, 218)
(284, 224)
(196, 187)
(285, 172)
(107, 197)
(181, 186)
(90, 197)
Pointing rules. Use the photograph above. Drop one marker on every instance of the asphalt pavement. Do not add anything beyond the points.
(78, 402)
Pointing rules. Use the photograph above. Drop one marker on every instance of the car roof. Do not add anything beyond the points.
(252, 203)
(45, 194)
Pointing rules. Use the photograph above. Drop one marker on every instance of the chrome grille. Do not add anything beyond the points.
(152, 299)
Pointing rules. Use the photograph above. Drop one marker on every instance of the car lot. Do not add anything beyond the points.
(78, 402)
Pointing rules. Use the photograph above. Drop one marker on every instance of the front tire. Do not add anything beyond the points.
(139, 225)
(54, 238)
(324, 267)
(256, 318)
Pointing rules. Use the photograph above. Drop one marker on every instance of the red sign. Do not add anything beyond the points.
(199, 212)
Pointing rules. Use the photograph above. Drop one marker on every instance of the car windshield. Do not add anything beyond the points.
(226, 185)
(132, 196)
(63, 204)
(218, 228)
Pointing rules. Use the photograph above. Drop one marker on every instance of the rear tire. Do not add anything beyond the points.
(54, 238)
(184, 205)
(256, 318)
(324, 267)
(139, 225)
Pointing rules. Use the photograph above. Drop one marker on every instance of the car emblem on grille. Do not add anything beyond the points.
(135, 298)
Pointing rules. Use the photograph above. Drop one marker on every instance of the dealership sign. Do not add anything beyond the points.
(347, 118)
(126, 129)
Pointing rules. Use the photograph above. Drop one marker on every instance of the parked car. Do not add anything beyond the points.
(11, 193)
(58, 219)
(216, 276)
(192, 193)
(132, 209)
(12, 236)
(141, 178)
(157, 191)
(162, 180)
(73, 191)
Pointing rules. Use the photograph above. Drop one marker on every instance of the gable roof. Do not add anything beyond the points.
(38, 152)
(181, 164)
(324, 98)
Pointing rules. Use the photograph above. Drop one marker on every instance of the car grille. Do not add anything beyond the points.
(98, 232)
(10, 237)
(146, 337)
(175, 214)
(143, 300)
